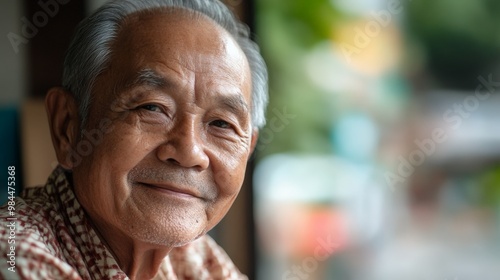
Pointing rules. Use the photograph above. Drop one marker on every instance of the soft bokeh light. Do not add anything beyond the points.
(394, 152)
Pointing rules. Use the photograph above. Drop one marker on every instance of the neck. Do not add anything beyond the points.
(139, 260)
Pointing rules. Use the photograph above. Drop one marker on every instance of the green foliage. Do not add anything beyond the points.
(460, 38)
(310, 20)
(287, 30)
(490, 184)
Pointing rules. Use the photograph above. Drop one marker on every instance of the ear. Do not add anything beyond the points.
(62, 113)
(255, 137)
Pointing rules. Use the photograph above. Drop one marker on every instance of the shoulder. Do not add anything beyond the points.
(203, 259)
(29, 242)
(27, 218)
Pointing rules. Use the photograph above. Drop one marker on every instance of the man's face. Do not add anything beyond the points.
(178, 95)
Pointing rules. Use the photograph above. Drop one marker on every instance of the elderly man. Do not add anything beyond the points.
(158, 114)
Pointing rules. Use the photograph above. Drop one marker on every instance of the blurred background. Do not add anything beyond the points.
(381, 157)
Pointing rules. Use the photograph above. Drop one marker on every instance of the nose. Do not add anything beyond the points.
(184, 147)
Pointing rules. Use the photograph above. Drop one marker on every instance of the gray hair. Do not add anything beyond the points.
(90, 49)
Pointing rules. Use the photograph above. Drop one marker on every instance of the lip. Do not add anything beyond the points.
(172, 190)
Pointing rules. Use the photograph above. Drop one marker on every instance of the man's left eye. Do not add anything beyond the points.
(221, 124)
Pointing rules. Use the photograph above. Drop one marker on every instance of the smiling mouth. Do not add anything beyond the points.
(170, 190)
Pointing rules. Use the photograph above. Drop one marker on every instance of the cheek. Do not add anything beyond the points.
(113, 156)
(228, 176)
(122, 150)
(228, 180)
(229, 173)
(126, 144)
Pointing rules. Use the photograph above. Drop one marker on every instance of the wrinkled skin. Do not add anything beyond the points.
(176, 100)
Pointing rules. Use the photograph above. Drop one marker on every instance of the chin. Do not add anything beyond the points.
(168, 231)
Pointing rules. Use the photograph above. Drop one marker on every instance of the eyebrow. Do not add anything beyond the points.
(234, 103)
(149, 77)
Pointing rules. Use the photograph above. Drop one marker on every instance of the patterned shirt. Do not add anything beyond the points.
(55, 240)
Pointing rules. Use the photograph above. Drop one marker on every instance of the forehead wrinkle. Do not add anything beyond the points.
(180, 70)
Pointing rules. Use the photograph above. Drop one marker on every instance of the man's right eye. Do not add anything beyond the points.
(150, 107)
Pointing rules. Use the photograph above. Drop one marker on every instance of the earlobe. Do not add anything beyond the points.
(62, 114)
